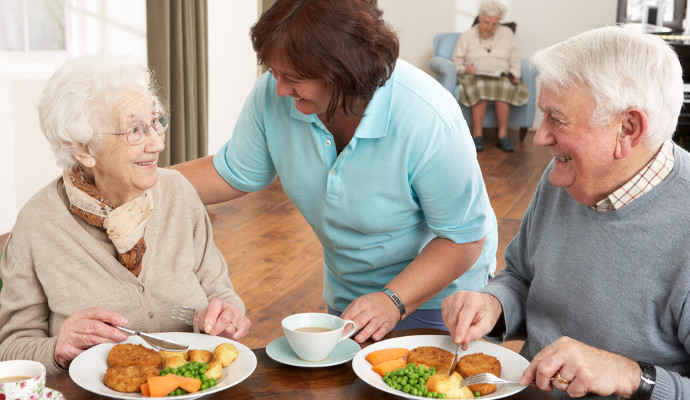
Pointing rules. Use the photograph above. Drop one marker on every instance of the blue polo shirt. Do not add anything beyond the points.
(409, 174)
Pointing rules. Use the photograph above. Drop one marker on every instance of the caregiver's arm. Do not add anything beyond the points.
(437, 265)
(210, 186)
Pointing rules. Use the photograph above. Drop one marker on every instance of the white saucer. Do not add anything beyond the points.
(51, 394)
(280, 351)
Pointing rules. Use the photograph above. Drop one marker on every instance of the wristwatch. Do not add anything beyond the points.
(647, 381)
(396, 300)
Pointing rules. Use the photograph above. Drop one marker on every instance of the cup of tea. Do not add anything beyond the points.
(22, 379)
(313, 336)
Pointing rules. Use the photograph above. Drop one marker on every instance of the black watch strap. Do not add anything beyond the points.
(396, 300)
(647, 381)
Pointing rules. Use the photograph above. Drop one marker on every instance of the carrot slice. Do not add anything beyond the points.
(379, 356)
(388, 366)
(160, 386)
(190, 384)
(145, 391)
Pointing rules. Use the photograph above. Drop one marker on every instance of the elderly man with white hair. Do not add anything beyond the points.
(597, 280)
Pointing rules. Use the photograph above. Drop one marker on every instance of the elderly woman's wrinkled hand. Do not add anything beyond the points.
(470, 68)
(375, 314)
(87, 328)
(470, 315)
(582, 369)
(222, 318)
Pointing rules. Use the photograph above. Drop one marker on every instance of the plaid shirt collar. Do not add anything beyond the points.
(651, 175)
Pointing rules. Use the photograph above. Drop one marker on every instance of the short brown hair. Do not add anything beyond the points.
(344, 42)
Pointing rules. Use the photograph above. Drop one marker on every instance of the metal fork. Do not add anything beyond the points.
(484, 377)
(184, 314)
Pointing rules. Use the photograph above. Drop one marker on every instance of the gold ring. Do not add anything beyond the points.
(560, 379)
(233, 324)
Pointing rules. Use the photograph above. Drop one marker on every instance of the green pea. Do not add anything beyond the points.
(477, 394)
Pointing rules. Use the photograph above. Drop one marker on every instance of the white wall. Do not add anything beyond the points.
(232, 65)
(27, 164)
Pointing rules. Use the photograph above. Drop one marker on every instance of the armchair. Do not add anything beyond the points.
(442, 66)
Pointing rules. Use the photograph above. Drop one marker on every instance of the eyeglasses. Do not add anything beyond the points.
(137, 134)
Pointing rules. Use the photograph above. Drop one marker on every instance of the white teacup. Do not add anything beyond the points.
(313, 336)
(22, 379)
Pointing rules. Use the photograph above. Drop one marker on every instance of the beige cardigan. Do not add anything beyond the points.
(55, 263)
(503, 56)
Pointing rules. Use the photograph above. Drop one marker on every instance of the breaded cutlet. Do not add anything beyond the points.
(476, 363)
(128, 379)
(431, 357)
(125, 355)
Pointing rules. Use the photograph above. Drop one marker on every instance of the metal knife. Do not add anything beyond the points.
(454, 362)
(156, 341)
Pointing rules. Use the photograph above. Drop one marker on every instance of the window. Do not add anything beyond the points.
(32, 25)
(633, 10)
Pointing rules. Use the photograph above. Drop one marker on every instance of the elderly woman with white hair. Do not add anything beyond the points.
(114, 240)
(488, 67)
(597, 280)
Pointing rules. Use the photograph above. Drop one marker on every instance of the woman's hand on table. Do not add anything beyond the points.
(222, 318)
(470, 315)
(588, 370)
(375, 315)
(87, 328)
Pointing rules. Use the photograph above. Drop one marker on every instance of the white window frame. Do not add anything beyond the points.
(37, 64)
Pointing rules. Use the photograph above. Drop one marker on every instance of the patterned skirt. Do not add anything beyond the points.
(475, 88)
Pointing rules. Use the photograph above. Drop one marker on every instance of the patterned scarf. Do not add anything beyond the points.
(124, 224)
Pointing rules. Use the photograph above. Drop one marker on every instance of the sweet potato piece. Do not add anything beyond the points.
(145, 391)
(191, 385)
(160, 386)
(379, 356)
(388, 366)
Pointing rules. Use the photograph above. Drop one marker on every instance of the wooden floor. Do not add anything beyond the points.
(275, 260)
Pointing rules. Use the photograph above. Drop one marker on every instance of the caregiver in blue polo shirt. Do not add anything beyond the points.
(373, 152)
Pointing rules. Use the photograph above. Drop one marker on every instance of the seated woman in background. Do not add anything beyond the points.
(114, 240)
(482, 52)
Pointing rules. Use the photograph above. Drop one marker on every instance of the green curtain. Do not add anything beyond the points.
(176, 33)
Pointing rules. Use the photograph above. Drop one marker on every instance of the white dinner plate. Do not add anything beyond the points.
(280, 350)
(88, 369)
(512, 364)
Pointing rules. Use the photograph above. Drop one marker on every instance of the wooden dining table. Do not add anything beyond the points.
(273, 380)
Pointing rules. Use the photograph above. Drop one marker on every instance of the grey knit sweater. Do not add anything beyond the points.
(618, 280)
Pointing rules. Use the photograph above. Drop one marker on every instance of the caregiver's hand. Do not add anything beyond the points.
(222, 318)
(87, 328)
(375, 314)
